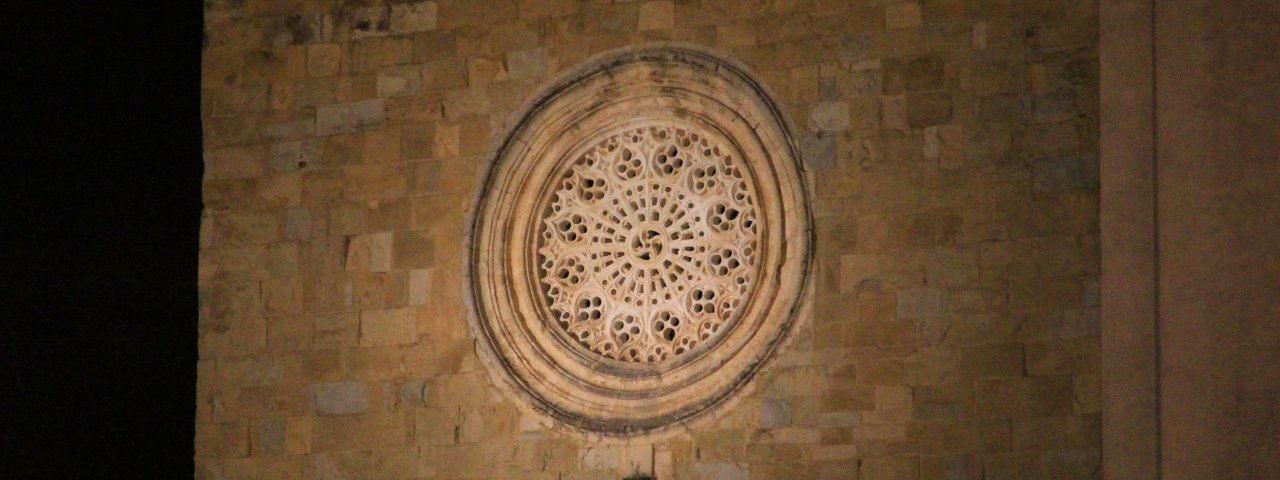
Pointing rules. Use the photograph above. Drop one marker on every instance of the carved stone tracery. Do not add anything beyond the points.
(648, 244)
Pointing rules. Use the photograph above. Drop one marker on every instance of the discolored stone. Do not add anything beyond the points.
(339, 398)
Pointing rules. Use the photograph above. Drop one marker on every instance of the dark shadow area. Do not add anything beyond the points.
(99, 224)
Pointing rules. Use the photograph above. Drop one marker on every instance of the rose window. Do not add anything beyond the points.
(648, 244)
(641, 245)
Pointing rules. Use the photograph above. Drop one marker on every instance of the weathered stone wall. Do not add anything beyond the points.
(952, 152)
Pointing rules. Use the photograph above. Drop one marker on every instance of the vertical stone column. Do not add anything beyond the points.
(1190, 268)
(1130, 433)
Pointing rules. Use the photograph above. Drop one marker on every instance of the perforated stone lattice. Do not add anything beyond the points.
(649, 244)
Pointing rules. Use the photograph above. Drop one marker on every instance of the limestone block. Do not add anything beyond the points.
(222, 440)
(413, 250)
(350, 117)
(388, 327)
(659, 15)
(297, 223)
(233, 336)
(818, 151)
(324, 59)
(413, 17)
(527, 63)
(992, 361)
(471, 101)
(926, 109)
(951, 467)
(413, 392)
(420, 286)
(893, 112)
(829, 116)
(775, 413)
(890, 468)
(290, 156)
(269, 436)
(914, 74)
(1012, 466)
(622, 459)
(891, 397)
(369, 431)
(722, 471)
(902, 15)
(399, 81)
(297, 439)
(339, 398)
(370, 253)
(919, 303)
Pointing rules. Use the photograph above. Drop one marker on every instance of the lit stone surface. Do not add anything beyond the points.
(646, 244)
(649, 245)
(965, 185)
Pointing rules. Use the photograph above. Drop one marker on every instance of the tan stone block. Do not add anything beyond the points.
(337, 330)
(298, 435)
(919, 303)
(464, 389)
(893, 397)
(951, 467)
(233, 336)
(289, 333)
(324, 60)
(376, 430)
(448, 140)
(413, 17)
(382, 145)
(659, 15)
(342, 464)
(436, 426)
(525, 64)
(388, 327)
(457, 356)
(245, 228)
(890, 468)
(1012, 466)
(420, 286)
(419, 360)
(413, 109)
(483, 70)
(993, 361)
(235, 162)
(1056, 357)
(282, 296)
(893, 112)
(902, 15)
(307, 367)
(617, 458)
(474, 136)
(413, 250)
(222, 440)
(927, 109)
(462, 102)
(399, 81)
(381, 363)
(370, 253)
(282, 467)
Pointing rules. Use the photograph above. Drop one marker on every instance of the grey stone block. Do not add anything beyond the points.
(818, 151)
(339, 398)
(350, 117)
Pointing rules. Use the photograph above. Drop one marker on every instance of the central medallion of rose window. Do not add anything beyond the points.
(648, 245)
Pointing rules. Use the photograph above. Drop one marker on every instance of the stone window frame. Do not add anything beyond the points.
(583, 393)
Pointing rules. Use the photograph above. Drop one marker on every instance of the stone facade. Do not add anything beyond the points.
(951, 152)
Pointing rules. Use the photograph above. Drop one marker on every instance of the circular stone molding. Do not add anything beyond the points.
(641, 242)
